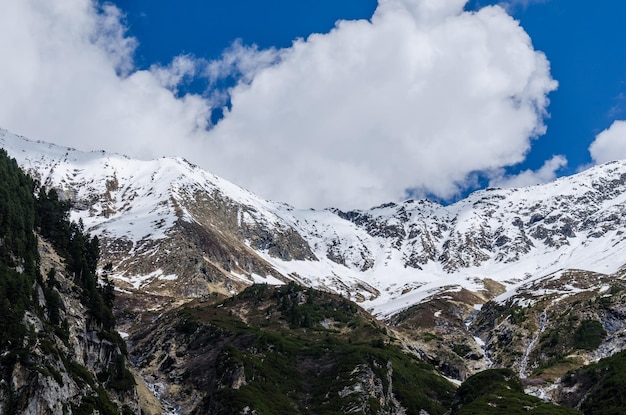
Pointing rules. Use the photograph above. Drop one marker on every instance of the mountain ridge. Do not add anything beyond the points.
(387, 257)
(529, 280)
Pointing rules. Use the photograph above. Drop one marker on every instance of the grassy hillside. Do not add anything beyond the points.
(500, 391)
(600, 388)
(288, 350)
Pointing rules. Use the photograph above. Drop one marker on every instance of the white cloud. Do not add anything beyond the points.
(512, 5)
(547, 173)
(181, 68)
(241, 61)
(67, 76)
(419, 98)
(110, 37)
(610, 144)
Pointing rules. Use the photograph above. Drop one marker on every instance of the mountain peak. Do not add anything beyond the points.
(177, 231)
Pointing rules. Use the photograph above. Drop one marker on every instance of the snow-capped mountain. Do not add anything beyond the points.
(174, 231)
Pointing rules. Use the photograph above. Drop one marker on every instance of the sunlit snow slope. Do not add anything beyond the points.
(172, 229)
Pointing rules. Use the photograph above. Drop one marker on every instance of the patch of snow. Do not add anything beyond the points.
(171, 277)
(138, 202)
(139, 281)
(268, 279)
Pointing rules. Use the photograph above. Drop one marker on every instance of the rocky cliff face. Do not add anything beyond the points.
(177, 232)
(552, 325)
(540, 329)
(283, 350)
(64, 369)
(59, 352)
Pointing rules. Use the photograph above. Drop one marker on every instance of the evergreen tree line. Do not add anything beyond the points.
(19, 256)
(26, 207)
(81, 253)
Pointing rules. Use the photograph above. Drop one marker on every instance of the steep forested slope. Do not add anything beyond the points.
(59, 348)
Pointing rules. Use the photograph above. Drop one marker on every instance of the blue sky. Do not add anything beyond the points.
(346, 103)
(585, 46)
(206, 28)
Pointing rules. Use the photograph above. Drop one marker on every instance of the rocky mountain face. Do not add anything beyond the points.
(74, 368)
(528, 279)
(59, 354)
(175, 231)
(291, 349)
(283, 349)
(541, 330)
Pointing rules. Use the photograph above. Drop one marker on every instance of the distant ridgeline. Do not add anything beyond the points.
(32, 314)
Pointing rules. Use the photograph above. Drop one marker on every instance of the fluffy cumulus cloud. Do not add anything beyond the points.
(610, 144)
(68, 76)
(418, 98)
(415, 100)
(546, 173)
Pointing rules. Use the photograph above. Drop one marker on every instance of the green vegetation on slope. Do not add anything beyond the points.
(293, 350)
(39, 352)
(600, 387)
(500, 391)
(18, 253)
(317, 356)
(81, 252)
(296, 350)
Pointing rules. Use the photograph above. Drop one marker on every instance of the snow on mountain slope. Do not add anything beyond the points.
(166, 219)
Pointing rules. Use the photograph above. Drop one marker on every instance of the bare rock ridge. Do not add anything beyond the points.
(175, 231)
